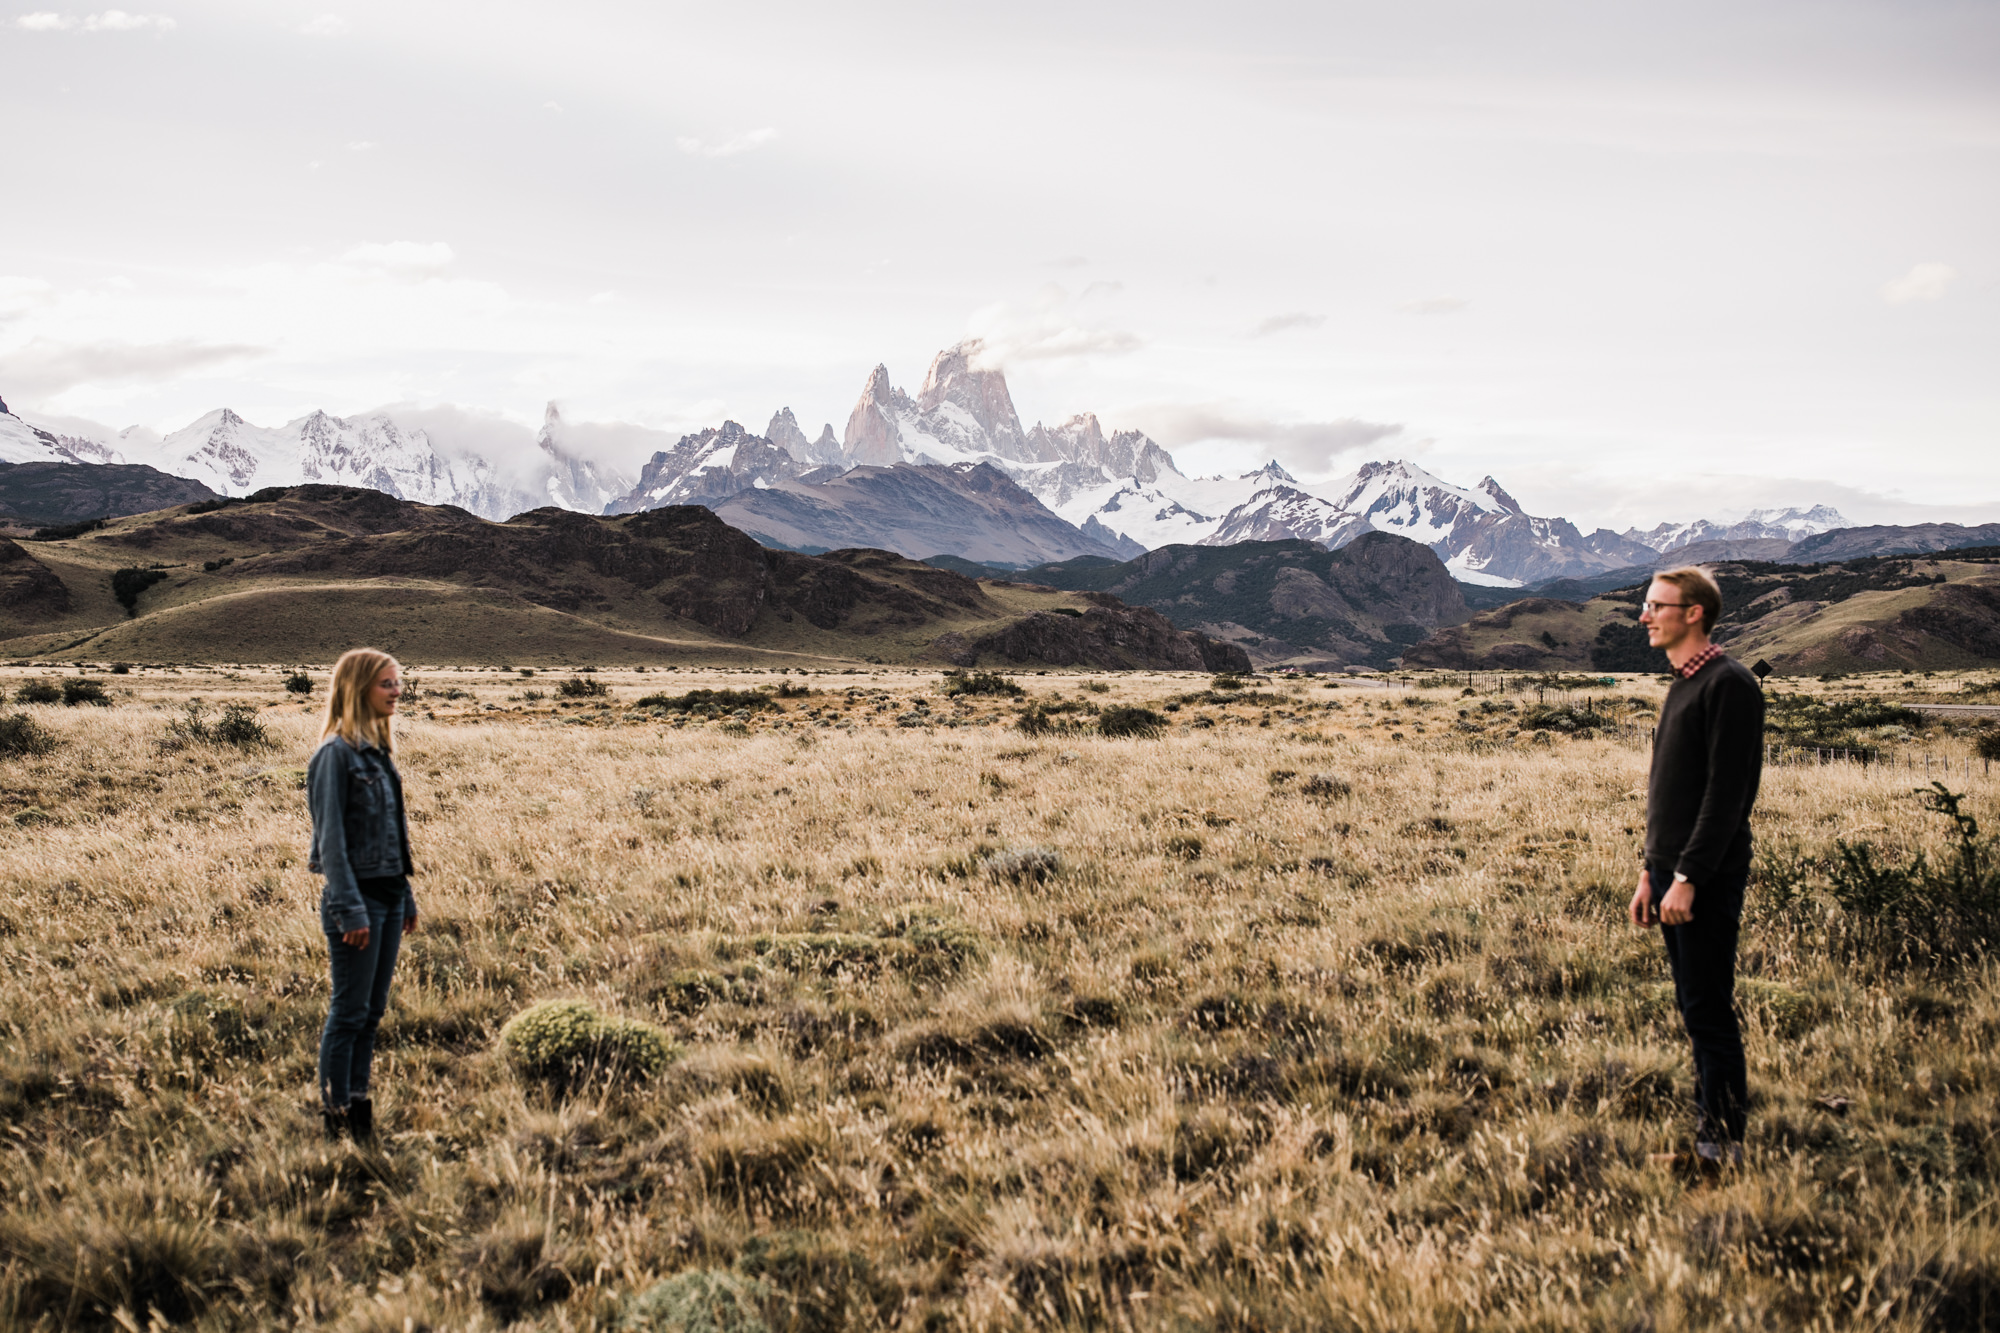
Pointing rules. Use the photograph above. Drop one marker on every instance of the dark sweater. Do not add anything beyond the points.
(1707, 757)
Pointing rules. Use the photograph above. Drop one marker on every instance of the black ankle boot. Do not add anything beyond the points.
(361, 1120)
(337, 1122)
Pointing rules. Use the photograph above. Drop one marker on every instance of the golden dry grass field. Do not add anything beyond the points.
(1317, 1010)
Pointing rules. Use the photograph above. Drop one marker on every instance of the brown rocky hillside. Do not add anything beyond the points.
(299, 574)
(1917, 613)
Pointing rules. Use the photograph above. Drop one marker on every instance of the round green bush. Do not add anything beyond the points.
(563, 1042)
(701, 1300)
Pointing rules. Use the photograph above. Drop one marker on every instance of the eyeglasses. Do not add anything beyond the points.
(1661, 606)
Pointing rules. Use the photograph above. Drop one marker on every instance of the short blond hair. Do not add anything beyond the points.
(347, 712)
(1698, 586)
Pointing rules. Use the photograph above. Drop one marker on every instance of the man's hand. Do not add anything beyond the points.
(410, 924)
(356, 939)
(1677, 908)
(1641, 909)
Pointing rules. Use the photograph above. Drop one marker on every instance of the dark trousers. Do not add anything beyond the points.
(1702, 954)
(360, 998)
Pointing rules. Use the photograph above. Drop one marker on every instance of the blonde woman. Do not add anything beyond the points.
(361, 844)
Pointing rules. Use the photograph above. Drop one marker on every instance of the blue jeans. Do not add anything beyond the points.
(360, 997)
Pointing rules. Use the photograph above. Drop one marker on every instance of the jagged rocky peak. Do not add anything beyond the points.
(874, 437)
(706, 468)
(784, 432)
(1493, 490)
(956, 380)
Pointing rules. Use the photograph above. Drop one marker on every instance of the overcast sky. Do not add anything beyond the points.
(1638, 261)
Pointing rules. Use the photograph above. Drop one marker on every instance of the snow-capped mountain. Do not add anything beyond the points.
(23, 443)
(707, 468)
(237, 458)
(572, 481)
(1759, 524)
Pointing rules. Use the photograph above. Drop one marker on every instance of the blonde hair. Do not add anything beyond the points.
(347, 712)
(1697, 585)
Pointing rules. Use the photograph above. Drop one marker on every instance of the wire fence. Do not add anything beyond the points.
(1922, 764)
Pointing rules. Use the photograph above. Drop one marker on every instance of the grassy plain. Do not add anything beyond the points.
(1317, 1011)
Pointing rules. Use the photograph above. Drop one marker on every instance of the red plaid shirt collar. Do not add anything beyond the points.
(1697, 662)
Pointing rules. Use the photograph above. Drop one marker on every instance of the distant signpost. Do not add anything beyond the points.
(1763, 669)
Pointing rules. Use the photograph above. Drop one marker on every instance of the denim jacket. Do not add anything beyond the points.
(359, 830)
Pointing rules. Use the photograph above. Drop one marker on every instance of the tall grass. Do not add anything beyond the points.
(1291, 1027)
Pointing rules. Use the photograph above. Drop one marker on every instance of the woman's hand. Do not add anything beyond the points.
(356, 939)
(410, 924)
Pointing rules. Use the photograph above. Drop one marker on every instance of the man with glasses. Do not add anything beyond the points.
(1708, 755)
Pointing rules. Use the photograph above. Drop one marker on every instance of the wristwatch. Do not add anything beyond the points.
(1679, 878)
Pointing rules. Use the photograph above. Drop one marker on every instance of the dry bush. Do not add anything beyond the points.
(972, 1030)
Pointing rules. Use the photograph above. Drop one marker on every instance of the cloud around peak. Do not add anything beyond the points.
(43, 369)
(110, 20)
(1924, 282)
(742, 143)
(1304, 446)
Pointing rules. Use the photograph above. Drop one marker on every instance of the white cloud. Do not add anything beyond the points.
(117, 20)
(1297, 319)
(552, 106)
(742, 143)
(604, 298)
(325, 25)
(1304, 446)
(17, 294)
(1434, 305)
(362, 145)
(1924, 282)
(402, 256)
(111, 20)
(1048, 331)
(43, 369)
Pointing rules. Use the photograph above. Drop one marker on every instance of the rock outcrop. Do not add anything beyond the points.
(1111, 637)
(50, 494)
(974, 511)
(1286, 601)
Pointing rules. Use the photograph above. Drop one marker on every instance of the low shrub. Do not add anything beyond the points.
(1564, 718)
(563, 1043)
(1987, 743)
(576, 687)
(1226, 681)
(38, 692)
(298, 682)
(700, 1300)
(62, 532)
(1130, 720)
(129, 582)
(980, 682)
(210, 566)
(1325, 786)
(22, 735)
(1801, 719)
(76, 690)
(238, 726)
(707, 701)
(787, 690)
(1947, 909)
